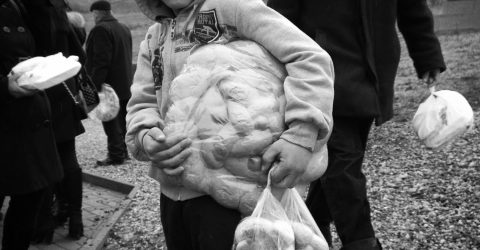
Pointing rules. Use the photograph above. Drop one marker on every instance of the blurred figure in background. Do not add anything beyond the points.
(77, 21)
(28, 153)
(109, 60)
(361, 37)
(54, 34)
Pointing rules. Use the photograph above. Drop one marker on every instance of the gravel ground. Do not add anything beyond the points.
(420, 198)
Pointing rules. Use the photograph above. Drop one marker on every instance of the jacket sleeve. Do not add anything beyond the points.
(142, 109)
(415, 22)
(99, 54)
(308, 86)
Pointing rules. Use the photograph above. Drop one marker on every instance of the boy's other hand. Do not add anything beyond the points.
(289, 163)
(167, 152)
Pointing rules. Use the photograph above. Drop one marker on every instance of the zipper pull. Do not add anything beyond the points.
(172, 32)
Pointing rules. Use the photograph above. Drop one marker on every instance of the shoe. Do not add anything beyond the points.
(75, 226)
(109, 161)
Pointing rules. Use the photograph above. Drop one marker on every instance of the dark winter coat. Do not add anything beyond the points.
(54, 34)
(361, 37)
(109, 56)
(28, 153)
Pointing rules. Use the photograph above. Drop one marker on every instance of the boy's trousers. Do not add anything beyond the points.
(198, 224)
(340, 195)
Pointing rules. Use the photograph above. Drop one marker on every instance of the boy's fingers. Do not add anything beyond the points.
(277, 174)
(177, 159)
(288, 182)
(269, 157)
(173, 171)
(175, 149)
(156, 134)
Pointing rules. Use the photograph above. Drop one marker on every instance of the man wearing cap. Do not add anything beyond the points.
(109, 60)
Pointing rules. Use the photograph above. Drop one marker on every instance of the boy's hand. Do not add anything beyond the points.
(289, 163)
(166, 152)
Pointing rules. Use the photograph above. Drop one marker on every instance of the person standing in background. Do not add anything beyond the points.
(77, 21)
(54, 34)
(29, 159)
(109, 60)
(361, 37)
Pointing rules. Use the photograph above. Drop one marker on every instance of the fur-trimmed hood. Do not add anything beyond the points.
(156, 9)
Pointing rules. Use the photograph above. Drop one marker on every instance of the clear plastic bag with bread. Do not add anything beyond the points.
(229, 100)
(307, 234)
(268, 228)
(442, 117)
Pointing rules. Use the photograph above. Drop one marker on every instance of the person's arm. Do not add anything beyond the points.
(142, 109)
(309, 83)
(145, 138)
(99, 55)
(415, 22)
(308, 88)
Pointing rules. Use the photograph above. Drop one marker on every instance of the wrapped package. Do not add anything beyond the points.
(44, 72)
(267, 228)
(441, 118)
(109, 105)
(229, 100)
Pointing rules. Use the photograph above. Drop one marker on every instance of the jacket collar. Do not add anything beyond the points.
(106, 18)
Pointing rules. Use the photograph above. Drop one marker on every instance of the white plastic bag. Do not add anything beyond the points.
(109, 105)
(268, 227)
(306, 231)
(443, 117)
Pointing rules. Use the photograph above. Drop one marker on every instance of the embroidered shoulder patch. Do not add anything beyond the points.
(206, 28)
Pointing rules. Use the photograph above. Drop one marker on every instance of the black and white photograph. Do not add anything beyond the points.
(239, 124)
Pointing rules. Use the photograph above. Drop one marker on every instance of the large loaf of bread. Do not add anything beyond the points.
(229, 99)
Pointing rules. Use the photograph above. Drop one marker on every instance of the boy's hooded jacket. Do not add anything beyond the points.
(308, 86)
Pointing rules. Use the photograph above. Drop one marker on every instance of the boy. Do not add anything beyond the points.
(193, 220)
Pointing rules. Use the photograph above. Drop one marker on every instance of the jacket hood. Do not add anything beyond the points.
(156, 9)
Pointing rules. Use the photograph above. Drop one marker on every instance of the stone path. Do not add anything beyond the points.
(99, 204)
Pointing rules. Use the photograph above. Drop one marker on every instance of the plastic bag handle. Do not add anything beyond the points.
(269, 181)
